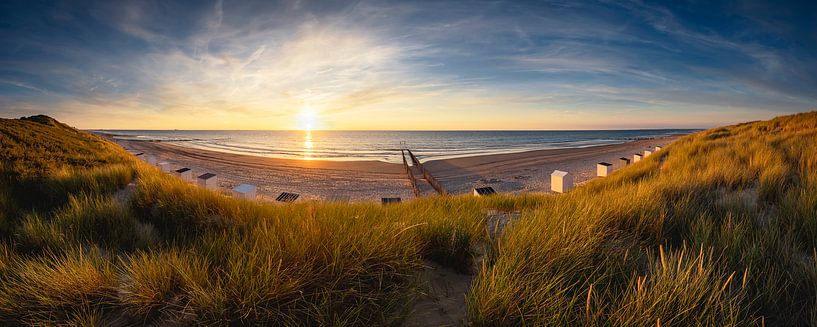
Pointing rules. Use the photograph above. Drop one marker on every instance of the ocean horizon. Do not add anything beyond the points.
(384, 145)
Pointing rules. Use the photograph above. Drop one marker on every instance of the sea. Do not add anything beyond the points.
(385, 145)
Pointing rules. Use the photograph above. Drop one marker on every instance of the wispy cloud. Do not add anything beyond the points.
(383, 64)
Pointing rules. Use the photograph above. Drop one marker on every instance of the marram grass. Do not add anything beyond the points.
(719, 228)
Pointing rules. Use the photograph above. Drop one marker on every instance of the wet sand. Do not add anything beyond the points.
(371, 180)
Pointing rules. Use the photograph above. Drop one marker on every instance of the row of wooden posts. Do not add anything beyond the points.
(562, 181)
(410, 174)
(426, 174)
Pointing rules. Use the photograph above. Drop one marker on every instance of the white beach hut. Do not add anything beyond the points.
(637, 157)
(150, 159)
(245, 191)
(658, 148)
(647, 153)
(208, 181)
(624, 161)
(165, 166)
(561, 181)
(184, 173)
(603, 169)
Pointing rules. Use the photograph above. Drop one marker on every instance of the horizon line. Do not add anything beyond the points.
(395, 130)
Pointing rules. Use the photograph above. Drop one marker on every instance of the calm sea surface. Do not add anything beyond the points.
(385, 145)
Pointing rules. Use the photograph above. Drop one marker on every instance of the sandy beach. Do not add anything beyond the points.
(371, 180)
(530, 171)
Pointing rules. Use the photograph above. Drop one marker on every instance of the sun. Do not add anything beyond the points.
(307, 118)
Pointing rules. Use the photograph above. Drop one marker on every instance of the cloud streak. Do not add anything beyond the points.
(399, 65)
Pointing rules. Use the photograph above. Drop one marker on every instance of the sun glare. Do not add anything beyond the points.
(307, 119)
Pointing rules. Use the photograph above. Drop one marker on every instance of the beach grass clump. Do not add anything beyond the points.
(709, 297)
(163, 286)
(743, 196)
(270, 263)
(55, 288)
(98, 220)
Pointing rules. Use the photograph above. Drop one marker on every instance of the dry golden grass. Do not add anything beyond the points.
(719, 228)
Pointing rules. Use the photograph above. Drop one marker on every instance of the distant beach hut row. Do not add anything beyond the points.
(210, 180)
(562, 181)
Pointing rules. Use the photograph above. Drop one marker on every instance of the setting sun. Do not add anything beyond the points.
(308, 119)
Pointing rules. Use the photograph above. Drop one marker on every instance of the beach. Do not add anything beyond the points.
(530, 171)
(361, 181)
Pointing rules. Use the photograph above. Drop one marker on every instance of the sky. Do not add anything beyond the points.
(407, 65)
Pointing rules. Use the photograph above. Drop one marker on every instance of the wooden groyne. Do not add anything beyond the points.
(426, 174)
(410, 175)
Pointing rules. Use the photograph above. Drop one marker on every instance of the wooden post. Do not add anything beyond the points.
(427, 175)
(410, 174)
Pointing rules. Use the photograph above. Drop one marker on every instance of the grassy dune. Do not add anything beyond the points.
(719, 228)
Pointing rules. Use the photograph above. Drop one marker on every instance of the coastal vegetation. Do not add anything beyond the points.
(719, 228)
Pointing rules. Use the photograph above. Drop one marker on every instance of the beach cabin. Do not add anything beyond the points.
(387, 201)
(151, 160)
(561, 181)
(647, 153)
(165, 166)
(603, 169)
(245, 191)
(484, 191)
(658, 148)
(184, 173)
(637, 157)
(208, 181)
(624, 161)
(287, 197)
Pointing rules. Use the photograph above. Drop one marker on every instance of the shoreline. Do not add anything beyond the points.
(342, 146)
(370, 180)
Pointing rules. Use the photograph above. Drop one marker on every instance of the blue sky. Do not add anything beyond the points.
(407, 64)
